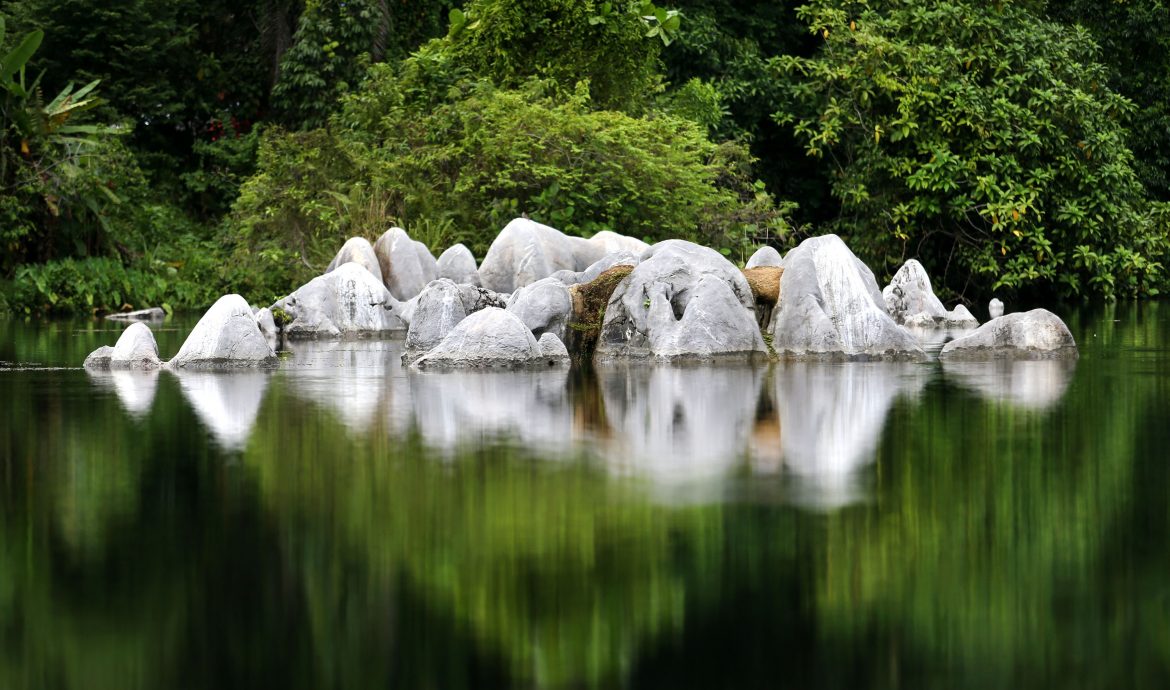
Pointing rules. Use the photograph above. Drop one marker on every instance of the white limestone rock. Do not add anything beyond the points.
(911, 301)
(227, 336)
(151, 314)
(995, 308)
(765, 256)
(681, 301)
(439, 308)
(525, 252)
(490, 337)
(544, 306)
(348, 302)
(135, 349)
(359, 251)
(407, 265)
(457, 264)
(552, 348)
(1036, 334)
(830, 308)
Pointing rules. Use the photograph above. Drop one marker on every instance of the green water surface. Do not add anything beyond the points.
(343, 522)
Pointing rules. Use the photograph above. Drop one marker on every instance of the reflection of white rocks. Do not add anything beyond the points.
(348, 302)
(1028, 384)
(682, 300)
(830, 307)
(831, 421)
(1036, 334)
(357, 250)
(226, 336)
(226, 402)
(471, 408)
(911, 301)
(678, 424)
(765, 256)
(135, 389)
(350, 378)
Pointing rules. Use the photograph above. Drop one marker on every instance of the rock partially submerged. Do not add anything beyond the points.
(407, 266)
(1036, 334)
(152, 314)
(359, 251)
(228, 336)
(348, 302)
(488, 338)
(911, 301)
(682, 301)
(457, 264)
(552, 348)
(831, 308)
(135, 349)
(440, 307)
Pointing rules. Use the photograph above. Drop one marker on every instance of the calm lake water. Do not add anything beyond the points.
(343, 522)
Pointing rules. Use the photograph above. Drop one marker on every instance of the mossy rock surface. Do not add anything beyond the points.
(589, 303)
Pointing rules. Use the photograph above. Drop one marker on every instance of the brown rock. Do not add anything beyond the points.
(765, 284)
(589, 302)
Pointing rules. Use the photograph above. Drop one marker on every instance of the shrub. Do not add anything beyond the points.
(978, 137)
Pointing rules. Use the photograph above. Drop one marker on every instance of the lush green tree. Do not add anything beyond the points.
(978, 137)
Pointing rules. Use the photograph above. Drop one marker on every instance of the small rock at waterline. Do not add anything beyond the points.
(135, 349)
(152, 314)
(1036, 334)
(995, 308)
(490, 337)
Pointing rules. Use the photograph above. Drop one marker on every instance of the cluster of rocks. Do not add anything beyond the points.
(540, 295)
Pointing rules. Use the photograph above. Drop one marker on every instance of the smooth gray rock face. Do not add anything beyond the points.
(439, 308)
(911, 301)
(458, 265)
(830, 308)
(995, 308)
(552, 348)
(152, 314)
(227, 336)
(618, 258)
(348, 302)
(765, 256)
(545, 307)
(1036, 334)
(682, 301)
(99, 358)
(135, 349)
(407, 265)
(488, 338)
(359, 251)
(608, 242)
(526, 251)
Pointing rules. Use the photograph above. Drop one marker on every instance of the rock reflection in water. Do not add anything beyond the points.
(226, 402)
(1027, 384)
(831, 418)
(679, 423)
(135, 389)
(350, 378)
(454, 408)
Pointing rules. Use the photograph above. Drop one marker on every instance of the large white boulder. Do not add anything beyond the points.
(135, 349)
(227, 336)
(457, 264)
(439, 308)
(609, 242)
(348, 302)
(490, 337)
(407, 265)
(524, 252)
(911, 301)
(359, 251)
(830, 308)
(1036, 334)
(681, 301)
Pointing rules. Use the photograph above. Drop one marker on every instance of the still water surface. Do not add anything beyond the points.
(344, 522)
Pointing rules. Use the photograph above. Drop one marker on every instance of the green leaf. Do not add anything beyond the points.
(16, 59)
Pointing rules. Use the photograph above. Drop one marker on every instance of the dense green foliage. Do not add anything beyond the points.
(996, 155)
(1017, 147)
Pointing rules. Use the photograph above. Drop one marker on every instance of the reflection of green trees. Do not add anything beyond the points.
(554, 567)
(1001, 547)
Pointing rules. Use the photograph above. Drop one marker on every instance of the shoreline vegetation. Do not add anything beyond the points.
(1013, 149)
